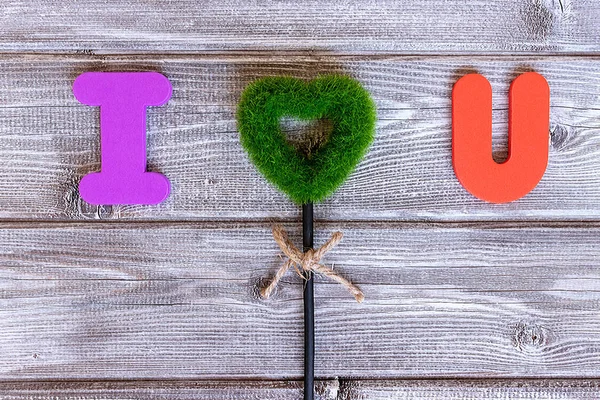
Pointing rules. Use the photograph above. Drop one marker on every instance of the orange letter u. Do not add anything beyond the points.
(528, 130)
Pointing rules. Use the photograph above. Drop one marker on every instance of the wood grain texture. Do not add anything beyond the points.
(165, 390)
(483, 389)
(178, 301)
(516, 389)
(48, 141)
(136, 309)
(350, 26)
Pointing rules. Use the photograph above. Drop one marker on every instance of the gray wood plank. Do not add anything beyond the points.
(425, 26)
(179, 301)
(571, 389)
(165, 390)
(48, 141)
(514, 389)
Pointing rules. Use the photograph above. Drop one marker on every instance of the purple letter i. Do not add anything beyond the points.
(123, 98)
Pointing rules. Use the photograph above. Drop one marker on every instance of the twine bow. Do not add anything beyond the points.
(308, 261)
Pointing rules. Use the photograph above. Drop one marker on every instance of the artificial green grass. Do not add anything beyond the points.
(306, 178)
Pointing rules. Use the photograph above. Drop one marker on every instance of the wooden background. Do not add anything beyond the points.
(464, 300)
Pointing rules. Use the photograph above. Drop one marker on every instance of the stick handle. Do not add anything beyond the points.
(309, 307)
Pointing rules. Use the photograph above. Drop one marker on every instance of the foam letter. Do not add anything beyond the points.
(123, 98)
(528, 135)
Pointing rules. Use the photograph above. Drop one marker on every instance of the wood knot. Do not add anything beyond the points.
(530, 337)
(538, 18)
(559, 137)
(73, 206)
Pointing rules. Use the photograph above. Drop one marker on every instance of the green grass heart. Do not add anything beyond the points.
(306, 178)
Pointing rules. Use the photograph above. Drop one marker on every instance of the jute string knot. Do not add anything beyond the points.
(307, 261)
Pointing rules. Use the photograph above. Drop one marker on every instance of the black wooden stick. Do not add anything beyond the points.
(309, 307)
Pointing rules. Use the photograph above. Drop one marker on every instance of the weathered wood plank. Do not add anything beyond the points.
(531, 389)
(48, 141)
(425, 26)
(165, 390)
(178, 301)
(571, 389)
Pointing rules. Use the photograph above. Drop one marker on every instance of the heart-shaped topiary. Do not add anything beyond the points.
(306, 178)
